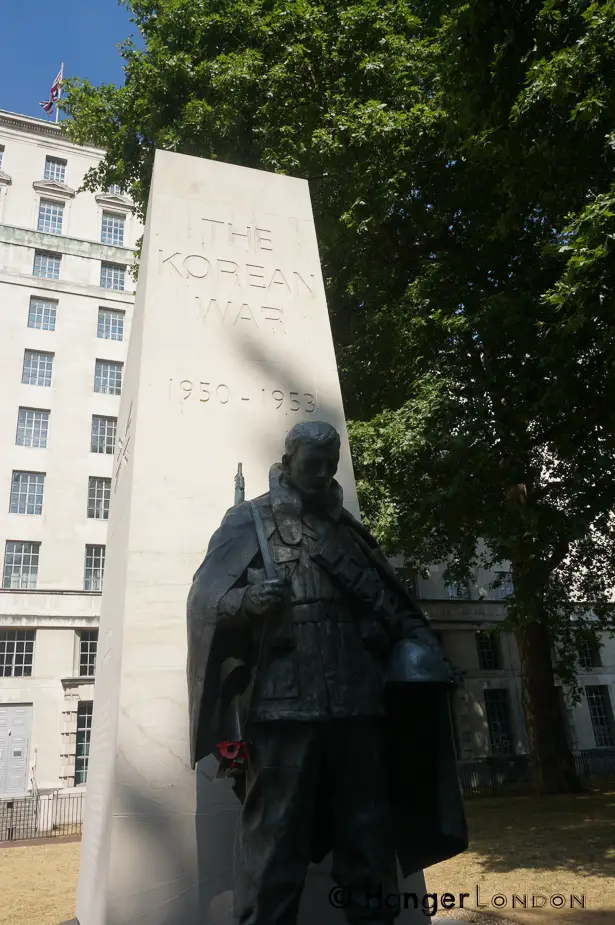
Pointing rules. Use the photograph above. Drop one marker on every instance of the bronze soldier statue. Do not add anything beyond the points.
(303, 643)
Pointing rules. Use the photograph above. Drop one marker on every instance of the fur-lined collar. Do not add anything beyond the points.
(287, 505)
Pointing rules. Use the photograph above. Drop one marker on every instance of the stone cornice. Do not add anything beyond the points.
(21, 123)
(15, 121)
(57, 287)
(5, 180)
(29, 608)
(63, 244)
(54, 188)
(27, 591)
(475, 613)
(114, 202)
(43, 620)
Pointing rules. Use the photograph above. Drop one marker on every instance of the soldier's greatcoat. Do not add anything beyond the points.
(223, 649)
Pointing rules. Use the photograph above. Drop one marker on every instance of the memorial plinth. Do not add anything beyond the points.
(230, 346)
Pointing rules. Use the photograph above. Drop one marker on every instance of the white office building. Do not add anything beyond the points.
(66, 296)
(488, 712)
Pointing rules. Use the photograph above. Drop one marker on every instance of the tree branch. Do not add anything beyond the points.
(541, 493)
(560, 551)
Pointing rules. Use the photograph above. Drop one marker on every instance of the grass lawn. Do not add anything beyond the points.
(519, 845)
(38, 883)
(525, 845)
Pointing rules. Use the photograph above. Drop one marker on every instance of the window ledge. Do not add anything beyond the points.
(5, 180)
(77, 680)
(47, 591)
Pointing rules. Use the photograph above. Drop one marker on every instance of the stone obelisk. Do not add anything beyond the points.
(230, 346)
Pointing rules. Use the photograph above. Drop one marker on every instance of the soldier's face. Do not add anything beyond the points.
(312, 468)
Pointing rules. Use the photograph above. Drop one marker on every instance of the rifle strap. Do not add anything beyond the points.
(271, 573)
(363, 583)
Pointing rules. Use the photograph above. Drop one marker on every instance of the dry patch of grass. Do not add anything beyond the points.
(526, 845)
(38, 883)
(521, 846)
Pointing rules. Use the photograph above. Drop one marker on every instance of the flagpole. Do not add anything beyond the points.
(59, 93)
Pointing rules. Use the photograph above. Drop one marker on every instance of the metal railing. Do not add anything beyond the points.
(54, 815)
(511, 776)
(49, 815)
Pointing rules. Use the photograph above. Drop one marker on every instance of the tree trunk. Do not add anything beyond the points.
(552, 761)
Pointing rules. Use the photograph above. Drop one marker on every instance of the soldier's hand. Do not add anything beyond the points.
(266, 597)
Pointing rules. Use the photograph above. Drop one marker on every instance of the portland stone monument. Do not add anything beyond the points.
(230, 348)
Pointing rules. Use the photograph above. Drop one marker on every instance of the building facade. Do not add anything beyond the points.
(66, 296)
(488, 712)
(65, 306)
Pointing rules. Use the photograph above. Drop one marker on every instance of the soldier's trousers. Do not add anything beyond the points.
(298, 770)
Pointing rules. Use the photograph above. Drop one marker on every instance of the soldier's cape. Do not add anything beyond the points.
(424, 787)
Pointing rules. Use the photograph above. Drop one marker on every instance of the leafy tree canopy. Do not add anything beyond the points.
(461, 163)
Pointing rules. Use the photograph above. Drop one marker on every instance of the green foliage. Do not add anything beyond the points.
(510, 331)
(461, 163)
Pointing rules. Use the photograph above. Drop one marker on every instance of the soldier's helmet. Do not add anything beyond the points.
(416, 661)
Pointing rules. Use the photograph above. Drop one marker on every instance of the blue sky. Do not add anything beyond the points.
(38, 35)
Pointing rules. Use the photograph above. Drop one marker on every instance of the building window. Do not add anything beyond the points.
(20, 565)
(103, 434)
(112, 230)
(99, 498)
(458, 591)
(487, 646)
(110, 324)
(16, 653)
(88, 643)
(112, 276)
(601, 713)
(50, 216)
(94, 568)
(589, 654)
(37, 368)
(108, 377)
(27, 493)
(498, 721)
(32, 427)
(505, 587)
(115, 189)
(82, 748)
(55, 169)
(46, 265)
(42, 314)
(1, 155)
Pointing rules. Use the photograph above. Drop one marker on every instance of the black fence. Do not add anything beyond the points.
(42, 816)
(509, 776)
(59, 814)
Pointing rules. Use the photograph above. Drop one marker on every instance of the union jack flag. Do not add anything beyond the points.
(54, 93)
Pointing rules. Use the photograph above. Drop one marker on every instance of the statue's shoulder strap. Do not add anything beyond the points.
(349, 520)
